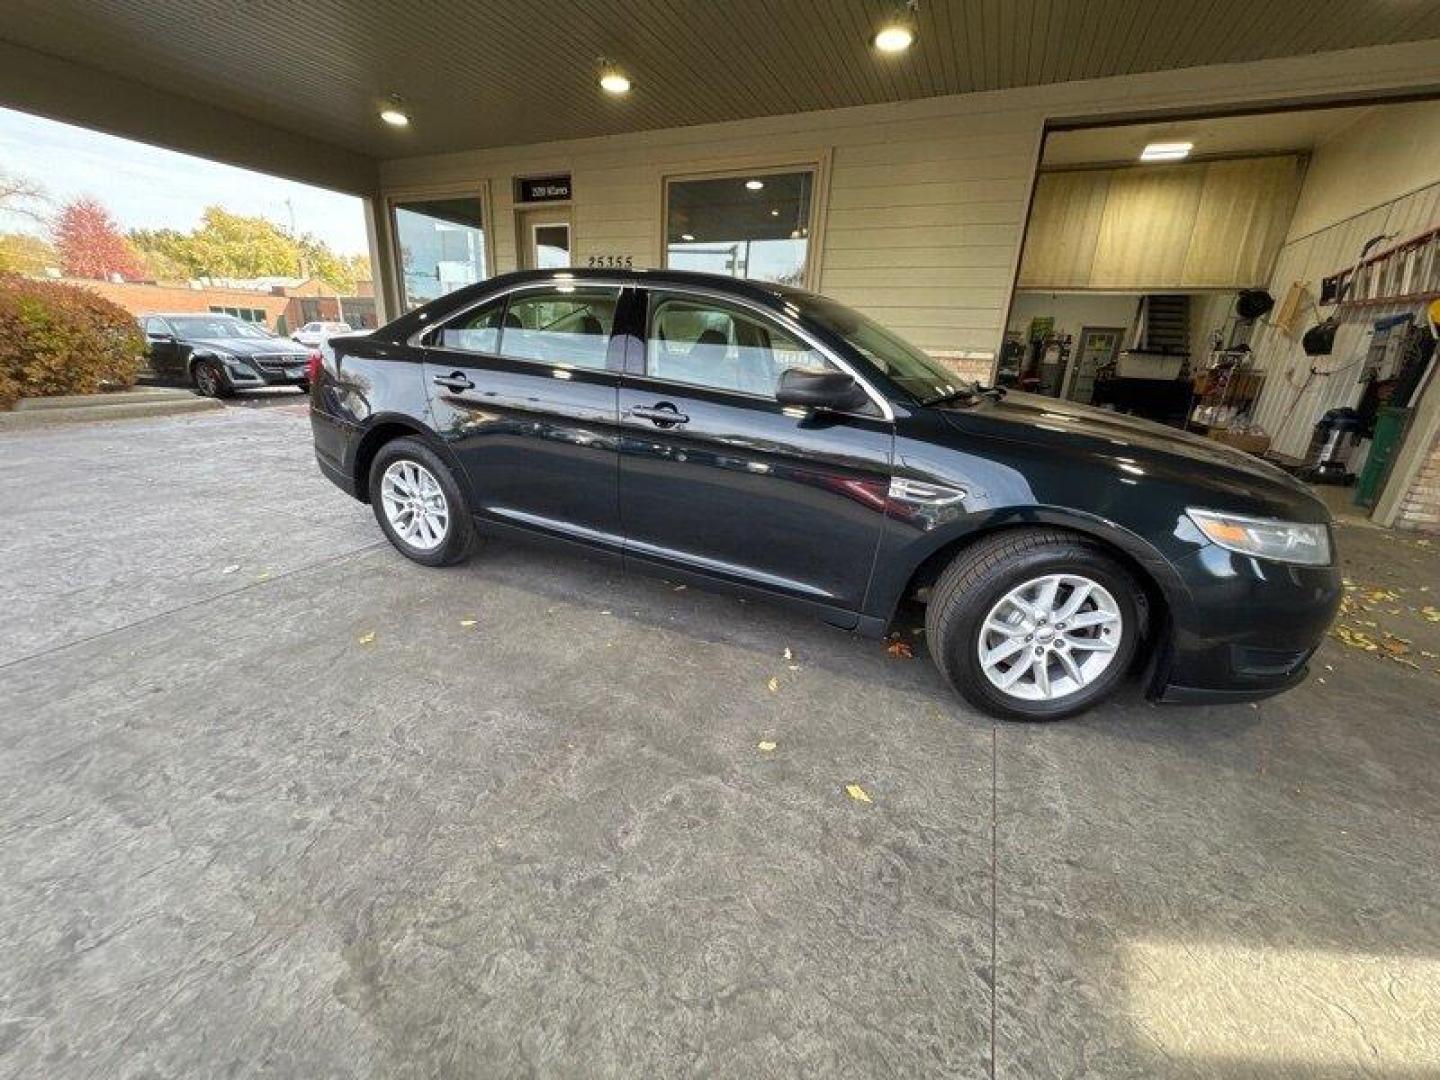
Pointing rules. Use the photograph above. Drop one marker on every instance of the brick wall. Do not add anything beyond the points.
(141, 299)
(1420, 509)
(973, 366)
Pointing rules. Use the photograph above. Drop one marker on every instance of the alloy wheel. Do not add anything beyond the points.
(415, 505)
(1050, 637)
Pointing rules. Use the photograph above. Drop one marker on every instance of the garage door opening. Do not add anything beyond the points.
(1265, 280)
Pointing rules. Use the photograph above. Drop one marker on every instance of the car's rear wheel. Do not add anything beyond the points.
(1034, 624)
(419, 505)
(210, 381)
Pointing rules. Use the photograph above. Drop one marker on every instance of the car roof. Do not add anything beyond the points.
(765, 293)
(187, 315)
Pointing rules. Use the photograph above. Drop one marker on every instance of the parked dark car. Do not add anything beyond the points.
(771, 440)
(220, 354)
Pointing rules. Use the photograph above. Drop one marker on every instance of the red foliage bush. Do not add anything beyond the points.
(59, 339)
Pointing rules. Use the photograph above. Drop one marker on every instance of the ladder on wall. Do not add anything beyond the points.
(1407, 273)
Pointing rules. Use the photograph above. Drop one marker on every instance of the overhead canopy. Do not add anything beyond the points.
(300, 85)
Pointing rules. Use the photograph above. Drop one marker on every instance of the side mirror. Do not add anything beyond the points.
(834, 390)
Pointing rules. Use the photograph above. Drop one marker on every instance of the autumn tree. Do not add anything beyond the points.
(227, 245)
(90, 244)
(23, 253)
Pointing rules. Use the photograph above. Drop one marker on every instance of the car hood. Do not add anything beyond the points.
(238, 346)
(1048, 421)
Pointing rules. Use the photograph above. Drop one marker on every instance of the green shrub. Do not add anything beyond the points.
(59, 339)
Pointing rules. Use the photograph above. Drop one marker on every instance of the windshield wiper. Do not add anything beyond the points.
(972, 390)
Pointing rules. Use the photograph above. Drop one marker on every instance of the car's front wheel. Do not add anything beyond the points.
(210, 381)
(1034, 624)
(419, 505)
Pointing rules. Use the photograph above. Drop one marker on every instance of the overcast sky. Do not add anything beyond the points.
(147, 188)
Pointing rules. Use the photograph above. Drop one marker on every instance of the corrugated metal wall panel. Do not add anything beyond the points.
(1293, 399)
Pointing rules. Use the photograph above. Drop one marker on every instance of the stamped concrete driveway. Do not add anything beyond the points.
(241, 836)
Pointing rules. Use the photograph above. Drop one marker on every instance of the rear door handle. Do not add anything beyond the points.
(662, 414)
(456, 380)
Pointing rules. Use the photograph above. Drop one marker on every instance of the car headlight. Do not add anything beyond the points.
(1266, 538)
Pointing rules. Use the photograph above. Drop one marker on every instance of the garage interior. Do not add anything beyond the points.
(1264, 279)
(276, 803)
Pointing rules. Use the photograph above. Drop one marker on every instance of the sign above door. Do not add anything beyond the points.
(541, 189)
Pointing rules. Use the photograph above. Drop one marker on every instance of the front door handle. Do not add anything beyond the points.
(456, 380)
(662, 414)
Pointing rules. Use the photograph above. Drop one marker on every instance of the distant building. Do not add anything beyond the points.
(283, 304)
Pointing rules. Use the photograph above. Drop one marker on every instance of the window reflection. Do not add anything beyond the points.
(441, 246)
(713, 344)
(754, 227)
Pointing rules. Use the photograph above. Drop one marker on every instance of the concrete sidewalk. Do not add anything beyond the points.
(242, 836)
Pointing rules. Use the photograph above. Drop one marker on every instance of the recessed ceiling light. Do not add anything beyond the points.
(613, 80)
(393, 114)
(894, 39)
(687, 237)
(1166, 151)
(754, 185)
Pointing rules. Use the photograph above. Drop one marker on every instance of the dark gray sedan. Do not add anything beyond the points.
(220, 354)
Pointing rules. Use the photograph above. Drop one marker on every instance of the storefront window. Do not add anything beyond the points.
(750, 226)
(441, 245)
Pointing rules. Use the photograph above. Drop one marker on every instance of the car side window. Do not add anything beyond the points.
(568, 326)
(708, 343)
(154, 327)
(477, 331)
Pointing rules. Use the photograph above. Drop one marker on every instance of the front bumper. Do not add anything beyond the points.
(246, 373)
(1249, 631)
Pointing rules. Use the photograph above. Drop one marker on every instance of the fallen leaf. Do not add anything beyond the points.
(605, 612)
(467, 623)
(231, 568)
(264, 575)
(793, 667)
(773, 684)
(787, 654)
(901, 650)
(858, 793)
(765, 746)
(680, 588)
(366, 639)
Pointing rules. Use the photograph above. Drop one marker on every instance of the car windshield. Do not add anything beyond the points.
(925, 379)
(215, 326)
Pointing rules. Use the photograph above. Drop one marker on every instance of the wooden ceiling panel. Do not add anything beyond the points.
(480, 73)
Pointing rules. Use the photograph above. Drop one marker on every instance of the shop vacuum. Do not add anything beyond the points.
(1337, 436)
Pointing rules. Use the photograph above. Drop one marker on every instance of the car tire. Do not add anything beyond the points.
(210, 381)
(438, 529)
(1016, 648)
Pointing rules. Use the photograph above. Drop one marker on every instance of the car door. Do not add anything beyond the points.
(163, 351)
(523, 389)
(717, 478)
